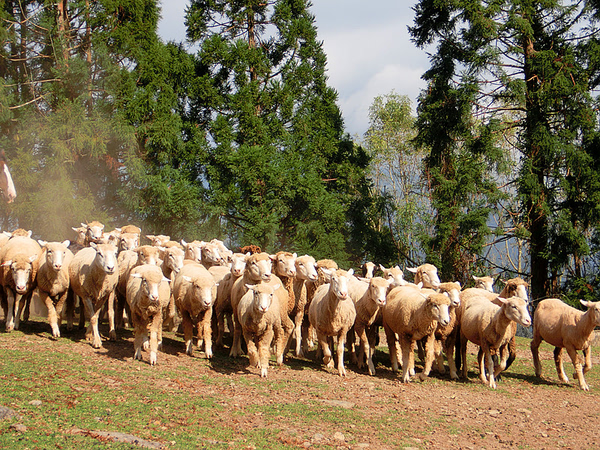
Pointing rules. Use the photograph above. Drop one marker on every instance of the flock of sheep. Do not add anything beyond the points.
(274, 301)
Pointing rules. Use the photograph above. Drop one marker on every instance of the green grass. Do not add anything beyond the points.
(219, 403)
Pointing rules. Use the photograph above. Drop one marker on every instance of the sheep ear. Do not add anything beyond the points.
(94, 245)
(32, 258)
(250, 286)
(424, 296)
(186, 278)
(366, 280)
(585, 303)
(168, 280)
(136, 275)
(420, 285)
(66, 243)
(351, 272)
(7, 263)
(327, 271)
(459, 286)
(272, 257)
(276, 286)
(84, 224)
(381, 267)
(295, 255)
(501, 300)
(183, 242)
(29, 233)
(42, 243)
(412, 269)
(247, 255)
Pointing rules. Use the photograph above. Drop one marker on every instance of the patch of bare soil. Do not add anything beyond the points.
(524, 412)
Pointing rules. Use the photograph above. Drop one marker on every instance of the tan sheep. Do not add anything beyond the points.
(332, 314)
(395, 275)
(260, 318)
(158, 240)
(489, 326)
(426, 274)
(368, 308)
(193, 250)
(222, 307)
(128, 241)
(210, 254)
(148, 294)
(53, 282)
(412, 316)
(172, 262)
(94, 274)
(93, 232)
(563, 326)
(19, 261)
(486, 283)
(306, 272)
(444, 334)
(194, 291)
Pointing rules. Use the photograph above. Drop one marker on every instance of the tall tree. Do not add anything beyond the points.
(522, 71)
(280, 170)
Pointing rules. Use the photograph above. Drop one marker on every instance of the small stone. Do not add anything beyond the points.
(362, 445)
(35, 403)
(545, 435)
(19, 427)
(318, 437)
(6, 413)
(524, 411)
(339, 436)
(306, 444)
(494, 412)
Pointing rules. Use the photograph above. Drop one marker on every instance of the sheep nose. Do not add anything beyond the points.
(444, 322)
(21, 288)
(57, 266)
(110, 269)
(266, 277)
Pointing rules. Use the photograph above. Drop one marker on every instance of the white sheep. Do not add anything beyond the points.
(260, 318)
(93, 232)
(486, 283)
(19, 259)
(172, 262)
(489, 326)
(222, 308)
(93, 275)
(128, 241)
(332, 314)
(563, 326)
(158, 240)
(306, 272)
(194, 291)
(210, 255)
(368, 308)
(368, 270)
(53, 282)
(193, 250)
(426, 274)
(411, 316)
(395, 275)
(148, 294)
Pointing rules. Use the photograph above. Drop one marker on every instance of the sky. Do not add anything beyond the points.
(369, 52)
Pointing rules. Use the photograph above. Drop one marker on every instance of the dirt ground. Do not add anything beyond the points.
(523, 412)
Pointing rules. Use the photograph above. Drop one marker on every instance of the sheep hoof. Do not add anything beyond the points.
(146, 346)
(152, 358)
(112, 335)
(263, 372)
(209, 354)
(137, 355)
(422, 376)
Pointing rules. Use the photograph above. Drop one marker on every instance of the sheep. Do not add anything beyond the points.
(395, 275)
(79, 242)
(486, 283)
(158, 240)
(368, 270)
(565, 327)
(426, 274)
(19, 259)
(53, 282)
(193, 250)
(210, 254)
(225, 253)
(194, 291)
(252, 249)
(127, 260)
(93, 275)
(128, 241)
(284, 267)
(308, 332)
(148, 294)
(306, 272)
(260, 319)
(132, 229)
(332, 313)
(412, 316)
(368, 307)
(489, 326)
(93, 232)
(259, 269)
(222, 307)
(172, 262)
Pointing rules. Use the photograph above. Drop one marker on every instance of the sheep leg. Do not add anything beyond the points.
(372, 342)
(462, 341)
(188, 332)
(481, 361)
(81, 311)
(535, 354)
(112, 334)
(490, 368)
(559, 365)
(505, 355)
(363, 349)
(18, 310)
(10, 318)
(204, 329)
(52, 315)
(429, 356)
(70, 304)
(236, 347)
(449, 350)
(391, 341)
(512, 348)
(578, 368)
(298, 319)
(27, 306)
(587, 353)
(92, 334)
(264, 352)
(411, 359)
(438, 356)
(155, 328)
(278, 343)
(407, 345)
(138, 341)
(340, 352)
(420, 351)
(220, 324)
(324, 345)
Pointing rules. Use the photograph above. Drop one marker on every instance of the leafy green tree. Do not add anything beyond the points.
(396, 168)
(280, 170)
(522, 71)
